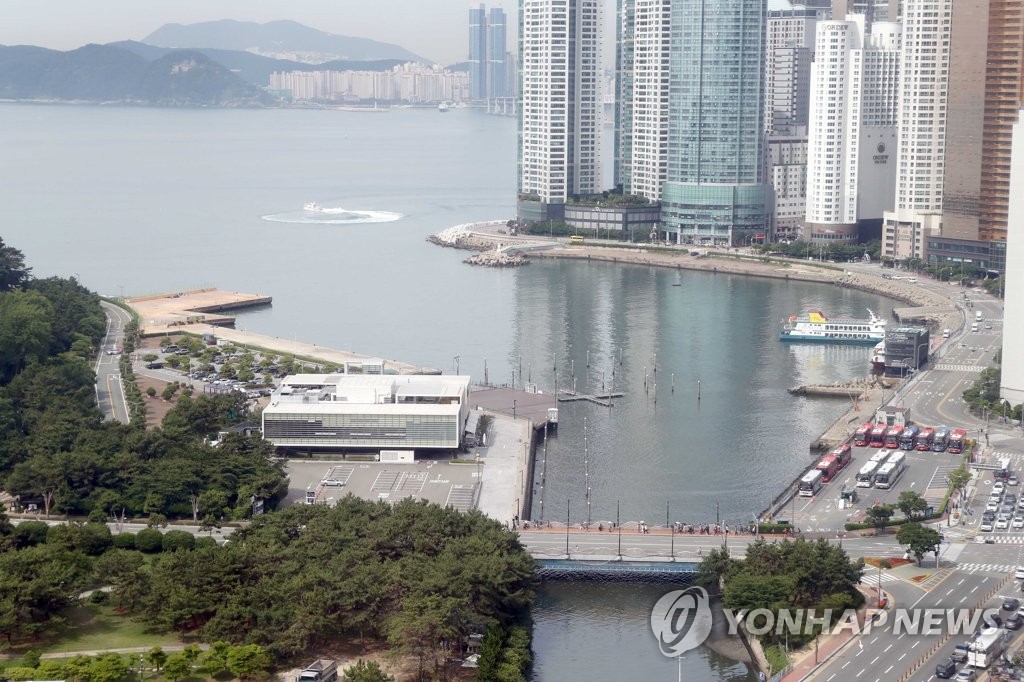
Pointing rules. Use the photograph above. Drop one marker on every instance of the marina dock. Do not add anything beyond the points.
(604, 400)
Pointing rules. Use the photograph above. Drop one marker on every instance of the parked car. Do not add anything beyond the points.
(1011, 604)
(960, 652)
(1013, 480)
(1019, 573)
(1018, 522)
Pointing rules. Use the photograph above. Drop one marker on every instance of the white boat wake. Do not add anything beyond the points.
(327, 215)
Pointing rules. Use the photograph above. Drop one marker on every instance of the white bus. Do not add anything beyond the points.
(891, 471)
(866, 475)
(986, 649)
(810, 483)
(879, 457)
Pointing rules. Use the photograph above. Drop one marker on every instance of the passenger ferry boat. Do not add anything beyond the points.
(312, 206)
(814, 327)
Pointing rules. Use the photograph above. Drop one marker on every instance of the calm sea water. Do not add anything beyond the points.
(137, 201)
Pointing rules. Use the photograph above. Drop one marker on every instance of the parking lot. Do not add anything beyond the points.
(925, 474)
(997, 508)
(439, 481)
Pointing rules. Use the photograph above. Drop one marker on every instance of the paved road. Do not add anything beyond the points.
(582, 545)
(109, 389)
(881, 654)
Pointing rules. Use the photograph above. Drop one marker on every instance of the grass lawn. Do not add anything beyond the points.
(94, 627)
(777, 658)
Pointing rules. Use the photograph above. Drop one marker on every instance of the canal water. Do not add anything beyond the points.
(134, 201)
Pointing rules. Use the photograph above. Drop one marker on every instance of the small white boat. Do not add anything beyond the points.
(443, 107)
(312, 206)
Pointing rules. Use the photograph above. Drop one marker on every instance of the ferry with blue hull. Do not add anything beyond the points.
(814, 327)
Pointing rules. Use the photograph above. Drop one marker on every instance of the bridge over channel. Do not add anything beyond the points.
(614, 569)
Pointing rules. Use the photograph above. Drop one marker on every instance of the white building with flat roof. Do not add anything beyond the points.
(1012, 382)
(368, 412)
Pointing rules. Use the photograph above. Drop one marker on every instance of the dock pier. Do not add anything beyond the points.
(603, 399)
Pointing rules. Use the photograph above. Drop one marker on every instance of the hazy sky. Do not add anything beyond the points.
(434, 29)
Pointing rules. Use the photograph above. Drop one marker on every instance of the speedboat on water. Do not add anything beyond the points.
(814, 327)
(312, 206)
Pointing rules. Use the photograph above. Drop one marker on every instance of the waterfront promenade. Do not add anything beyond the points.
(204, 311)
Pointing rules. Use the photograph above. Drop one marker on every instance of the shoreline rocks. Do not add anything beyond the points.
(497, 259)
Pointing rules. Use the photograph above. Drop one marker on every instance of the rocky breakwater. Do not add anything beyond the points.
(855, 389)
(490, 253)
(461, 237)
(497, 259)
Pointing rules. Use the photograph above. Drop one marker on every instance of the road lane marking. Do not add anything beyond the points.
(875, 639)
(888, 669)
(901, 657)
(886, 649)
(975, 588)
(875, 660)
(829, 679)
(846, 664)
(914, 645)
(861, 672)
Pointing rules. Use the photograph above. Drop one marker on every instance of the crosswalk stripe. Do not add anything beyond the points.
(872, 579)
(958, 368)
(988, 568)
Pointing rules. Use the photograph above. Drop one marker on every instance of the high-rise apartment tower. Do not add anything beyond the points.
(560, 112)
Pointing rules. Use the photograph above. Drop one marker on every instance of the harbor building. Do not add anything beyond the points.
(851, 172)
(368, 412)
(716, 190)
(1012, 380)
(560, 108)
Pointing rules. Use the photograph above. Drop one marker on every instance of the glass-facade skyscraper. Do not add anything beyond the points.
(716, 191)
(477, 52)
(488, 54)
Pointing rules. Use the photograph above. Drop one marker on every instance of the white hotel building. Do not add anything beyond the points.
(561, 108)
(1011, 386)
(645, 155)
(368, 412)
(924, 89)
(853, 121)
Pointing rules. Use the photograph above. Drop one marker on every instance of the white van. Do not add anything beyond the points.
(977, 315)
(945, 333)
(974, 326)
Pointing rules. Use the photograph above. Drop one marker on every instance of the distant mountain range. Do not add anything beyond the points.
(278, 39)
(105, 73)
(218, 67)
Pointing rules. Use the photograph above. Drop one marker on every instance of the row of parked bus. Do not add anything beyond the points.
(924, 438)
(825, 470)
(883, 470)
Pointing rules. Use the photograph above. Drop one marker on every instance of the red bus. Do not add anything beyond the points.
(957, 441)
(892, 437)
(842, 455)
(924, 439)
(828, 466)
(877, 439)
(860, 437)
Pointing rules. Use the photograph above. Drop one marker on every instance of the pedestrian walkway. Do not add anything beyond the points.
(935, 578)
(827, 646)
(985, 568)
(873, 579)
(958, 368)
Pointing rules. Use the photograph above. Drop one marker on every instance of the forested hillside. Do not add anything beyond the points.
(57, 452)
